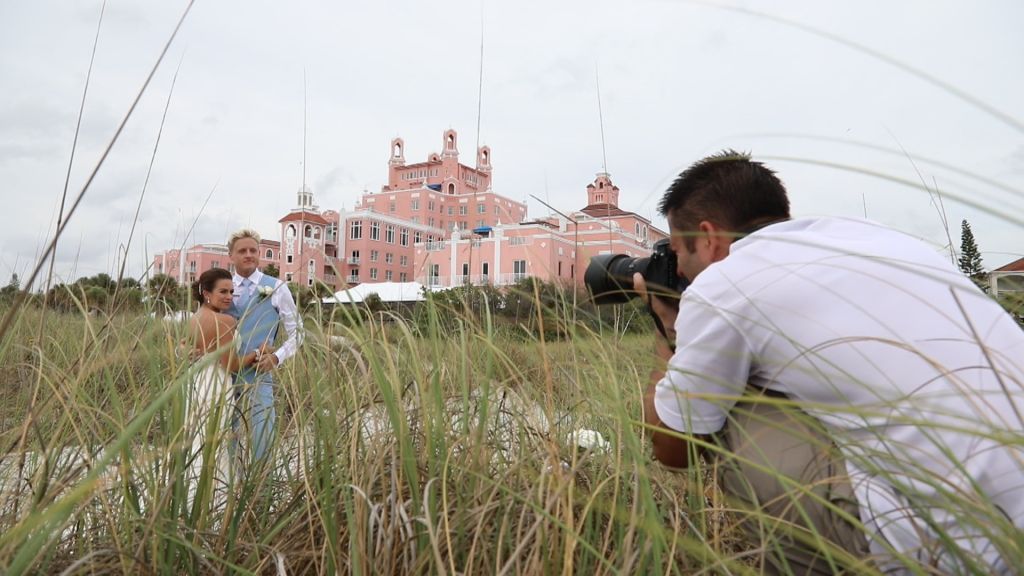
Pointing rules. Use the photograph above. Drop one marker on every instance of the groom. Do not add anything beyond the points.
(261, 304)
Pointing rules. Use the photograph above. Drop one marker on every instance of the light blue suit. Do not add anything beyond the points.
(258, 322)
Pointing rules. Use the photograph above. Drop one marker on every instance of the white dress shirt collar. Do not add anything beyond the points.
(255, 277)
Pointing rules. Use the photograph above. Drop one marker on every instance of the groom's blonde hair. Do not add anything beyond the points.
(243, 233)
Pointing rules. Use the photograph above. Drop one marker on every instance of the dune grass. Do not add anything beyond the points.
(397, 452)
(440, 446)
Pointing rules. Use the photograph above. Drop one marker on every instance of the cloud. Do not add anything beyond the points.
(677, 81)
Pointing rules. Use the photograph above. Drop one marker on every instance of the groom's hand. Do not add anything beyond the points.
(266, 360)
(185, 351)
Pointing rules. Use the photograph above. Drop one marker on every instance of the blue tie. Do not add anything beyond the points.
(243, 298)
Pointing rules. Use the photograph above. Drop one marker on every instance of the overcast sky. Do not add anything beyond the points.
(678, 80)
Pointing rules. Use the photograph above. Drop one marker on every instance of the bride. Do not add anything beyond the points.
(209, 400)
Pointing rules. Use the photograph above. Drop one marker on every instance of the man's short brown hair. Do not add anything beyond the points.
(728, 189)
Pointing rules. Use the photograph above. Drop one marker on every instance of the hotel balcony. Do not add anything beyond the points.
(476, 280)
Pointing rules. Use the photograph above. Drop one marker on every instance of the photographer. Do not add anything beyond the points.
(859, 397)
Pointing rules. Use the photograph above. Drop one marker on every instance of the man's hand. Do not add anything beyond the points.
(665, 312)
(186, 351)
(265, 359)
(669, 448)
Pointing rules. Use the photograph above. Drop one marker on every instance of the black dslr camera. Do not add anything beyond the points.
(610, 276)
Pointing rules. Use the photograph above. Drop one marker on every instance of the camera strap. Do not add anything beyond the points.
(658, 324)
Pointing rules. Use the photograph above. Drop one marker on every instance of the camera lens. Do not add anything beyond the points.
(610, 277)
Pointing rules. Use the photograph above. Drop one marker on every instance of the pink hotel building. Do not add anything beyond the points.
(438, 222)
(201, 257)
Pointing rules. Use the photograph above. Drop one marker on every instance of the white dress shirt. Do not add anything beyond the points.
(281, 299)
(891, 348)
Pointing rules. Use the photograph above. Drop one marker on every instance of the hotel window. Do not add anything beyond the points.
(288, 277)
(374, 230)
(269, 255)
(451, 210)
(374, 255)
(307, 231)
(463, 210)
(355, 257)
(417, 237)
(481, 208)
(519, 269)
(389, 257)
(373, 273)
(353, 276)
(391, 207)
(497, 210)
(387, 275)
(431, 223)
(389, 234)
(465, 268)
(356, 230)
(288, 259)
(405, 237)
(416, 204)
(403, 260)
(430, 206)
(403, 277)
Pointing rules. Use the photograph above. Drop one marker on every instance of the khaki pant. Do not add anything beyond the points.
(789, 483)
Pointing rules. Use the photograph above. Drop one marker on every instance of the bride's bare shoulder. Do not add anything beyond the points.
(211, 323)
(210, 329)
(226, 321)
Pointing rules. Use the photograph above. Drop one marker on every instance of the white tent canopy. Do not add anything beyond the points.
(387, 291)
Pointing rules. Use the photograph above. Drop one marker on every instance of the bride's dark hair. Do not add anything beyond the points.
(206, 282)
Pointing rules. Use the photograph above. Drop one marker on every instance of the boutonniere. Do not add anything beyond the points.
(264, 291)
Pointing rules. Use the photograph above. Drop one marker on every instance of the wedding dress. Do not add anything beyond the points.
(209, 404)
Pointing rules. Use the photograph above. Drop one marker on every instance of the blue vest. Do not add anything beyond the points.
(257, 324)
